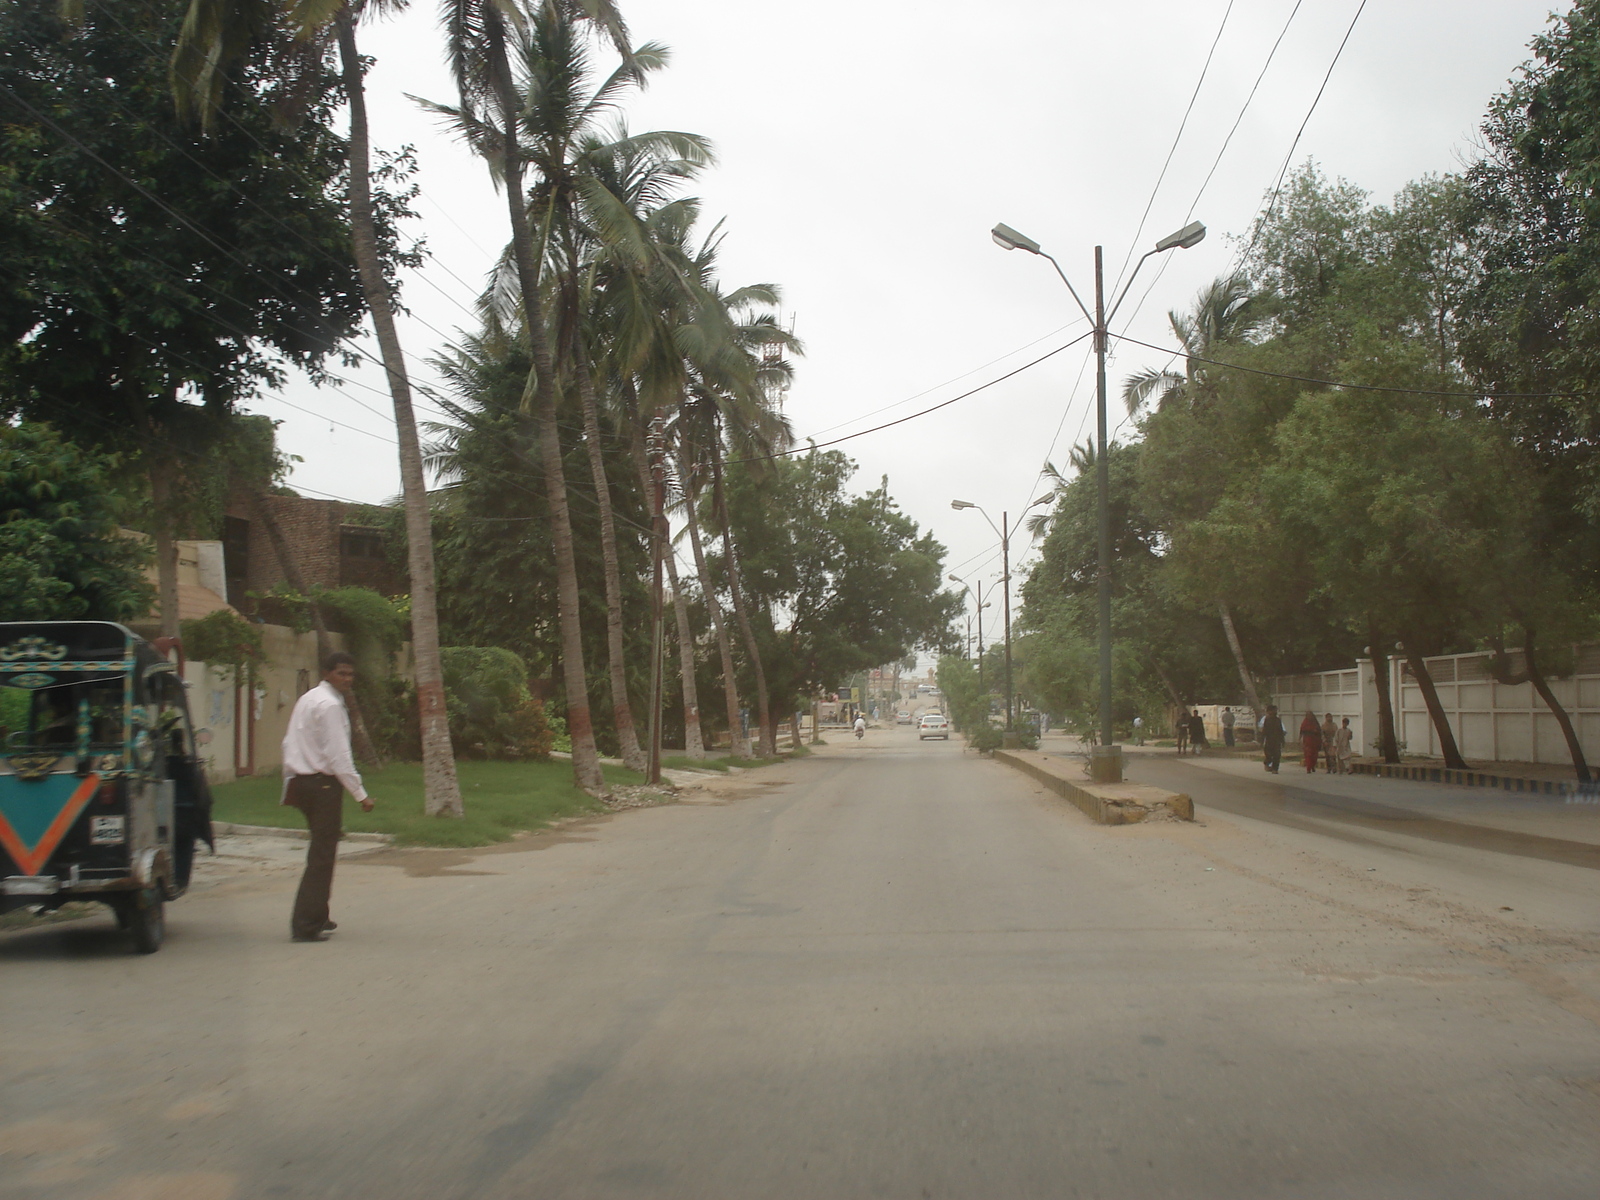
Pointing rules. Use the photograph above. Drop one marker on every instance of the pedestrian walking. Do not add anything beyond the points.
(1272, 737)
(1180, 729)
(1310, 742)
(1227, 727)
(1138, 731)
(1330, 756)
(317, 770)
(1344, 746)
(1197, 732)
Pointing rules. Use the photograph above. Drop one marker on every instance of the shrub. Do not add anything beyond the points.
(531, 734)
(226, 641)
(985, 738)
(488, 706)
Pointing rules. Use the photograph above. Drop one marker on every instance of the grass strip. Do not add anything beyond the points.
(501, 799)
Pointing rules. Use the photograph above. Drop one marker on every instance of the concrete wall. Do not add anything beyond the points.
(1346, 693)
(1491, 722)
(241, 729)
(1497, 722)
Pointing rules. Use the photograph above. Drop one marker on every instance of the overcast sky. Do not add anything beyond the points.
(866, 149)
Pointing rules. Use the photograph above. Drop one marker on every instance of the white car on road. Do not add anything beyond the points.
(933, 725)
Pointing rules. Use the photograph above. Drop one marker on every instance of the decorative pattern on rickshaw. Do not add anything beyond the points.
(34, 820)
(108, 666)
(33, 765)
(32, 649)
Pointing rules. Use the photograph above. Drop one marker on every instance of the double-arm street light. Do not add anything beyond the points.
(981, 606)
(1108, 760)
(1005, 531)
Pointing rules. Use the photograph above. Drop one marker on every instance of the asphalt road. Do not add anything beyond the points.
(887, 970)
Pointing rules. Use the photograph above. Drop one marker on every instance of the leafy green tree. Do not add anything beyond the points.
(157, 277)
(1402, 507)
(854, 580)
(62, 555)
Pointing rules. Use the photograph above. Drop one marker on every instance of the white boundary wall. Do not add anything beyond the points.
(1347, 693)
(1492, 722)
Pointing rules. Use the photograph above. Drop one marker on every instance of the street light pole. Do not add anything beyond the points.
(1005, 531)
(1005, 601)
(981, 607)
(1102, 499)
(1110, 765)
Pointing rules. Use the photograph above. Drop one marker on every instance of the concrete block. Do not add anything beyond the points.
(1104, 803)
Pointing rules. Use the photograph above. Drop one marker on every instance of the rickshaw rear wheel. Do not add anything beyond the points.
(143, 915)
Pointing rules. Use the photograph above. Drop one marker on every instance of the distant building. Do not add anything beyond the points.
(332, 548)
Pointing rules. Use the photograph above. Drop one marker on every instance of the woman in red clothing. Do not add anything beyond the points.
(1310, 741)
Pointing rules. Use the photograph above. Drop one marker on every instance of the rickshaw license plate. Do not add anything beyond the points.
(107, 831)
(30, 885)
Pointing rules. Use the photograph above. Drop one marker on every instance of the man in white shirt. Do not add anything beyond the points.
(317, 770)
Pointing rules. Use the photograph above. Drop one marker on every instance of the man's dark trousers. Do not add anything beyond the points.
(321, 798)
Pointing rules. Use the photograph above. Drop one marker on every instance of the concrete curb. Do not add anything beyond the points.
(223, 828)
(1104, 803)
(1483, 779)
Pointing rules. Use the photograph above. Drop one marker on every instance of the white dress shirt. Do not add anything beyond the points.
(318, 740)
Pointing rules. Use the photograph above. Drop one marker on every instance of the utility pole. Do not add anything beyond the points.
(658, 520)
(1005, 583)
(1102, 501)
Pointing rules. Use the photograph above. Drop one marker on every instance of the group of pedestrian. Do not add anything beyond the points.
(1190, 730)
(1328, 743)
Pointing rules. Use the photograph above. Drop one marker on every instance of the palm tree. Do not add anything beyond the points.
(481, 38)
(587, 223)
(1225, 312)
(214, 34)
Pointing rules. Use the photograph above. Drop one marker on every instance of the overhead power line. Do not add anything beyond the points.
(1317, 99)
(1173, 149)
(806, 449)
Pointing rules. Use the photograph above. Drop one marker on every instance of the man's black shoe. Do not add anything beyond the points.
(330, 926)
(320, 936)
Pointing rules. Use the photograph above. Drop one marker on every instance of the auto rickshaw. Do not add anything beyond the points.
(102, 794)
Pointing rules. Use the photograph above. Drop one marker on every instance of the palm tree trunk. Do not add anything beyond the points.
(739, 745)
(1441, 723)
(769, 741)
(693, 743)
(541, 382)
(1238, 659)
(441, 790)
(633, 756)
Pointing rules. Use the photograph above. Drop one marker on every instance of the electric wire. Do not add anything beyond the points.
(1216, 162)
(911, 417)
(1173, 149)
(1317, 99)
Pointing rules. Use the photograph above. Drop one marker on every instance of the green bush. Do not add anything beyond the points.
(226, 641)
(985, 738)
(486, 689)
(1028, 735)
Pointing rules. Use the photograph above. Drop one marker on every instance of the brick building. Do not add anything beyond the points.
(332, 546)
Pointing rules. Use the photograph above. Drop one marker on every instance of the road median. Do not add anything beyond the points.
(1104, 803)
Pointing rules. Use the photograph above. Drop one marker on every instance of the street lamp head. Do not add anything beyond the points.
(1044, 499)
(958, 505)
(1010, 239)
(1191, 234)
(955, 579)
